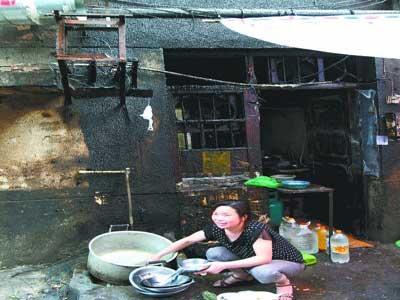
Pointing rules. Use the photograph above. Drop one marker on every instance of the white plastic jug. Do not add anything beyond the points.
(305, 239)
(287, 228)
(340, 248)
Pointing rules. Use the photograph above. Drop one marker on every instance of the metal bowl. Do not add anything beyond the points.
(194, 264)
(160, 294)
(137, 276)
(157, 281)
(166, 289)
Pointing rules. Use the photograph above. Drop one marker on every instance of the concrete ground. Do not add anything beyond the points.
(373, 273)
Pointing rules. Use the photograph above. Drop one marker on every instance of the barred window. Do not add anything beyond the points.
(209, 120)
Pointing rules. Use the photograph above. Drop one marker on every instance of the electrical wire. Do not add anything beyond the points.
(373, 4)
(194, 12)
(248, 85)
(362, 4)
(332, 5)
(327, 68)
(188, 10)
(343, 4)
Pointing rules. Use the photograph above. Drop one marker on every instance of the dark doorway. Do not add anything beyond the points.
(308, 133)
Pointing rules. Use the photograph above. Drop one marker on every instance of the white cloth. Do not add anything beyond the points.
(360, 35)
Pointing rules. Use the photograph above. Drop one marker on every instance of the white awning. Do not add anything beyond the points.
(360, 35)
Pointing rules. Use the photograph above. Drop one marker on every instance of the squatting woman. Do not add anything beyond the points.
(249, 249)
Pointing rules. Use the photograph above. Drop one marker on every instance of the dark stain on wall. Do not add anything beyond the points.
(53, 212)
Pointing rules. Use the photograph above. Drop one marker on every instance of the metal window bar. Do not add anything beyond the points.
(213, 121)
(269, 73)
(320, 69)
(215, 124)
(184, 122)
(274, 70)
(298, 61)
(284, 69)
(230, 126)
(201, 124)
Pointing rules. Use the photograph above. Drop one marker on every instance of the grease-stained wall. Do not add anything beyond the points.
(47, 210)
(383, 192)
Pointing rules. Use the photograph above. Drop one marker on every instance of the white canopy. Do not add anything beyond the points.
(361, 35)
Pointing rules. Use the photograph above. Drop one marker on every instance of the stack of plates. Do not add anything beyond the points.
(141, 279)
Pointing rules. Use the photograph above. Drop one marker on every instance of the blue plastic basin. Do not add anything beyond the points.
(295, 184)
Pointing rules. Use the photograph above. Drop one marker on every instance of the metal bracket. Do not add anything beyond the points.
(127, 172)
(126, 226)
(66, 24)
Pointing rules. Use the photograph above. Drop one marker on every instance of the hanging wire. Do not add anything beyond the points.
(362, 4)
(373, 4)
(241, 84)
(326, 68)
(345, 3)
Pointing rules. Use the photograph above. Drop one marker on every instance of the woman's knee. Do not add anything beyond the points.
(219, 254)
(265, 276)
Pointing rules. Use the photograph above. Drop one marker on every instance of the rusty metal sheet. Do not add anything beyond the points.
(216, 162)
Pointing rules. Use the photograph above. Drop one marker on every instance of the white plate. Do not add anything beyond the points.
(248, 295)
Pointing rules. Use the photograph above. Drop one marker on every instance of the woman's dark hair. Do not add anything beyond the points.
(241, 207)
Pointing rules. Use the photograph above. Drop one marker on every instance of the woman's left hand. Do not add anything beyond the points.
(214, 268)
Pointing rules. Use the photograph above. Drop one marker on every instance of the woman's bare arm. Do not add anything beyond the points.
(180, 244)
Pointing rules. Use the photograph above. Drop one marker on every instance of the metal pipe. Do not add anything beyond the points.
(127, 172)
(204, 13)
(128, 190)
(101, 172)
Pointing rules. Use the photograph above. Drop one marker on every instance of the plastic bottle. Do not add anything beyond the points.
(287, 228)
(315, 248)
(340, 248)
(305, 239)
(315, 230)
(322, 233)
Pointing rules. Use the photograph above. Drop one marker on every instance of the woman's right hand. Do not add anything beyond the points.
(156, 257)
(179, 245)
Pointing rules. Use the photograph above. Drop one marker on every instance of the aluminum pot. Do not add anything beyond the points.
(114, 255)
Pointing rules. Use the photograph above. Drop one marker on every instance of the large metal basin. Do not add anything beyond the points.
(114, 255)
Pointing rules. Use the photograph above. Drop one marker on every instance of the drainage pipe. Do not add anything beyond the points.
(216, 13)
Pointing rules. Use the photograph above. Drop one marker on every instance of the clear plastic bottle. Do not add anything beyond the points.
(315, 231)
(314, 248)
(287, 228)
(305, 239)
(328, 250)
(340, 248)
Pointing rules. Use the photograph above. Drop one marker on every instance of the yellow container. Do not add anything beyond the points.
(322, 233)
